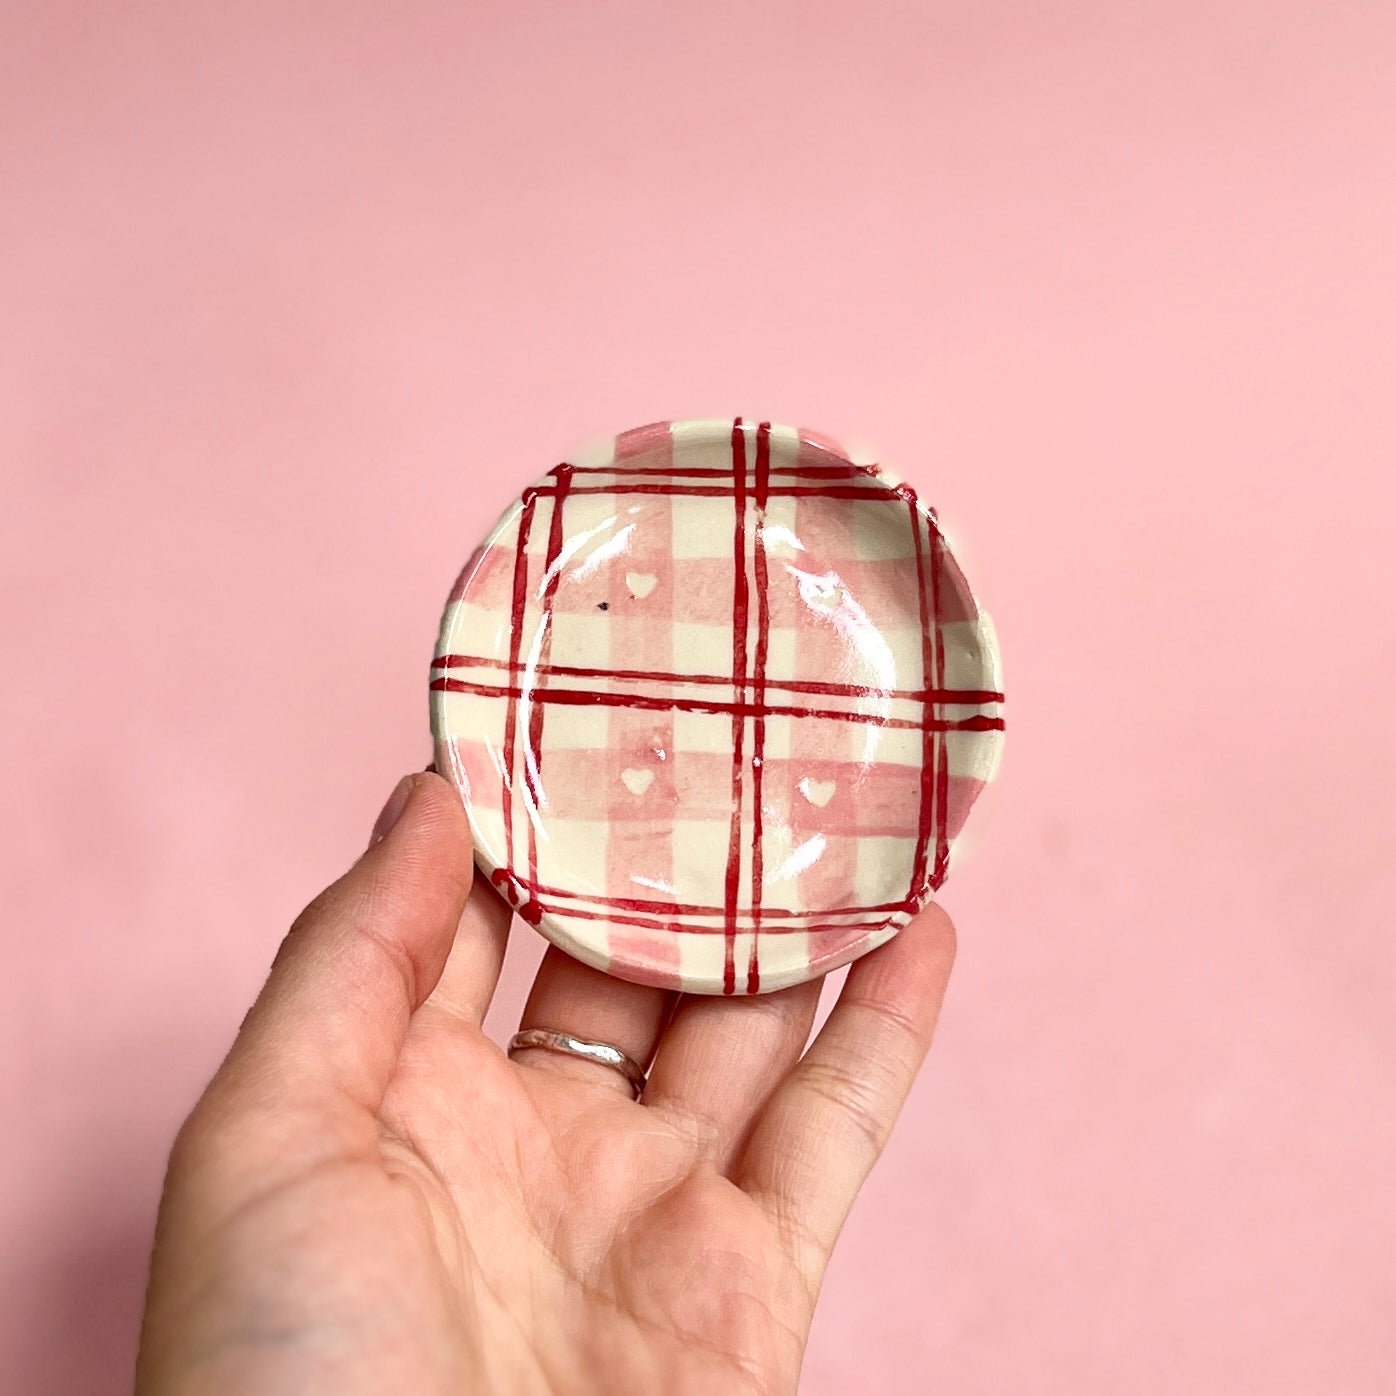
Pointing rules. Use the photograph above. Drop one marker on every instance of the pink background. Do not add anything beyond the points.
(295, 296)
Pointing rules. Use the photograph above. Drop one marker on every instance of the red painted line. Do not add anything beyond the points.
(942, 793)
(516, 615)
(758, 693)
(875, 489)
(925, 814)
(796, 472)
(966, 696)
(666, 703)
(552, 572)
(740, 605)
(670, 908)
(661, 923)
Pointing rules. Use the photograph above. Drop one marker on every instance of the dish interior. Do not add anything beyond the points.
(717, 714)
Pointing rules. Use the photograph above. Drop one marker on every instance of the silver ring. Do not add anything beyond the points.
(602, 1053)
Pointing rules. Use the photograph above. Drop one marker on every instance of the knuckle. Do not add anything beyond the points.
(202, 1140)
(852, 1097)
(900, 1029)
(320, 909)
(366, 928)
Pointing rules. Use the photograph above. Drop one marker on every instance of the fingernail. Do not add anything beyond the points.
(392, 811)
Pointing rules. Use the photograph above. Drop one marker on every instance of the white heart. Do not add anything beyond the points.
(637, 781)
(641, 583)
(817, 792)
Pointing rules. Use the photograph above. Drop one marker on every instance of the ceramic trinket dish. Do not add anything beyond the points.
(718, 700)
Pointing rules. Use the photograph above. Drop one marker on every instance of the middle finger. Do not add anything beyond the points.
(720, 1059)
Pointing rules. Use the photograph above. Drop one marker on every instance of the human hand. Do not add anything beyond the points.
(372, 1198)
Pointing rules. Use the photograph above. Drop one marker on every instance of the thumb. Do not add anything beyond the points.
(361, 958)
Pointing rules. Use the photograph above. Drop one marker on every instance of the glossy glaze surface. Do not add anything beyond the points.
(718, 700)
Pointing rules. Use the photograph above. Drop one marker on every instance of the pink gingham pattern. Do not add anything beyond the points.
(718, 700)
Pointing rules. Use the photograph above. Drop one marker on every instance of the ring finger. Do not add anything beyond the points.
(573, 998)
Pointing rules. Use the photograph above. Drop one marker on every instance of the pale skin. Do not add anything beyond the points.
(371, 1197)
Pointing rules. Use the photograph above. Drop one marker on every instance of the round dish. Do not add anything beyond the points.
(718, 700)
